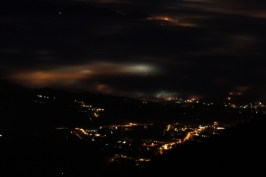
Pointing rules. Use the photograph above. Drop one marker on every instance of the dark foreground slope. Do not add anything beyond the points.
(237, 151)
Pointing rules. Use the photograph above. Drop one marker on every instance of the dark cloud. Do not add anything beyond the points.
(199, 47)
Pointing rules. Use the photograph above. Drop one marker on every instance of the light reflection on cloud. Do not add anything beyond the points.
(73, 74)
(174, 21)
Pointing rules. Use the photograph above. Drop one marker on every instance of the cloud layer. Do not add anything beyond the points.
(203, 47)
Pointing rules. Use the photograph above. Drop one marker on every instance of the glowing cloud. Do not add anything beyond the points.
(73, 74)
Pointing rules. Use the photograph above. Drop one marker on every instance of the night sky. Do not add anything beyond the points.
(188, 48)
